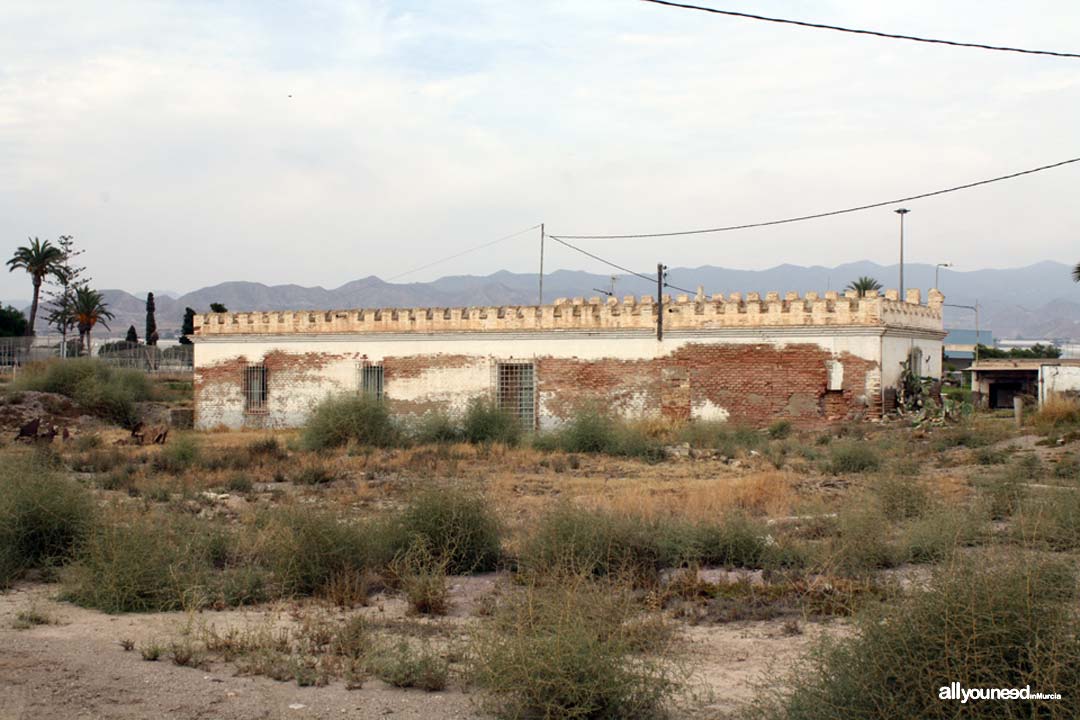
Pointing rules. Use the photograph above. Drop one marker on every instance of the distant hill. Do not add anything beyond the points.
(1038, 301)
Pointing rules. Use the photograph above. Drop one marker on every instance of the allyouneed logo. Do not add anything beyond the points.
(953, 691)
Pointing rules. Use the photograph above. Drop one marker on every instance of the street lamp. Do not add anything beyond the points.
(936, 268)
(901, 212)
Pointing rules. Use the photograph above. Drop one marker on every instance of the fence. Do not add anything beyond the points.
(16, 352)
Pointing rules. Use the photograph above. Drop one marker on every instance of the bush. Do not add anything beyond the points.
(266, 448)
(178, 455)
(306, 549)
(458, 528)
(981, 624)
(780, 429)
(147, 563)
(422, 577)
(901, 497)
(569, 650)
(437, 427)
(1051, 521)
(720, 436)
(405, 667)
(591, 431)
(338, 420)
(861, 544)
(1056, 412)
(934, 535)
(44, 517)
(592, 542)
(485, 422)
(852, 457)
(239, 483)
(107, 392)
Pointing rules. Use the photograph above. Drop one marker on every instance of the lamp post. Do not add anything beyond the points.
(936, 268)
(901, 212)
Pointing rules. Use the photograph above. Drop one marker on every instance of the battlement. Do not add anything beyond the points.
(578, 314)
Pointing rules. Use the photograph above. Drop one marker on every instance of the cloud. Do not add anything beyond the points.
(164, 137)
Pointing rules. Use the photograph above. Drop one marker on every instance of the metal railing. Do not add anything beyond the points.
(20, 351)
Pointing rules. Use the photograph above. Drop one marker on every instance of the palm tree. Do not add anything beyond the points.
(39, 259)
(90, 309)
(1076, 273)
(864, 285)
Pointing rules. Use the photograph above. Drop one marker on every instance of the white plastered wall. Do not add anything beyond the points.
(342, 354)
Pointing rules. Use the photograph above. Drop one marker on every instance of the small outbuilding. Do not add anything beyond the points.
(995, 383)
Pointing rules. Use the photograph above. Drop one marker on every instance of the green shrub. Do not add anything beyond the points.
(405, 667)
(266, 448)
(967, 435)
(934, 535)
(458, 527)
(901, 497)
(239, 483)
(1051, 521)
(720, 436)
(362, 419)
(982, 624)
(422, 578)
(314, 473)
(570, 649)
(180, 454)
(147, 563)
(438, 427)
(593, 542)
(107, 392)
(44, 517)
(861, 544)
(305, 549)
(485, 422)
(591, 431)
(780, 429)
(852, 457)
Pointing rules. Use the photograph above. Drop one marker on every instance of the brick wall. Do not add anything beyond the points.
(754, 384)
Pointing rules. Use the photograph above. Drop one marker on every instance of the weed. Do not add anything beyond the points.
(338, 420)
(1002, 624)
(179, 455)
(438, 427)
(570, 649)
(901, 497)
(314, 472)
(422, 578)
(457, 526)
(1056, 412)
(406, 667)
(1050, 521)
(107, 392)
(85, 443)
(152, 652)
(852, 457)
(31, 617)
(779, 429)
(266, 448)
(44, 517)
(485, 422)
(239, 483)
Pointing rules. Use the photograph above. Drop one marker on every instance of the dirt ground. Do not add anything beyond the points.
(75, 667)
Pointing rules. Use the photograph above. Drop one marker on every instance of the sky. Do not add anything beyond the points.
(194, 142)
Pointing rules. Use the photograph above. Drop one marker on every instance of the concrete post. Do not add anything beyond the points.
(1018, 411)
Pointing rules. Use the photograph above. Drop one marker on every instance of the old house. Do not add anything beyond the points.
(747, 358)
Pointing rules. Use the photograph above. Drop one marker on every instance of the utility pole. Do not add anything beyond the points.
(660, 268)
(541, 300)
(902, 212)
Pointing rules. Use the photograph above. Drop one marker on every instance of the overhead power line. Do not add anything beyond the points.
(816, 216)
(874, 33)
(463, 252)
(649, 278)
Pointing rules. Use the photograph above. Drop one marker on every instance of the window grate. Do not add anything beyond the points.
(370, 382)
(255, 389)
(515, 391)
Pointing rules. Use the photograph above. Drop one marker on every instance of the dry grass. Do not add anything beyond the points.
(1058, 411)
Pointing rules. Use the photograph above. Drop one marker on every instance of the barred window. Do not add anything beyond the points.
(371, 380)
(255, 389)
(515, 391)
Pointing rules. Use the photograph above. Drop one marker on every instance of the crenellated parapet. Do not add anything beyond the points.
(684, 312)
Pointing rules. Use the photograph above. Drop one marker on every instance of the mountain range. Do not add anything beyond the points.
(1039, 301)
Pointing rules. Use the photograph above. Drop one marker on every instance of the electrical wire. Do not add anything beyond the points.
(620, 267)
(817, 216)
(875, 33)
(463, 252)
